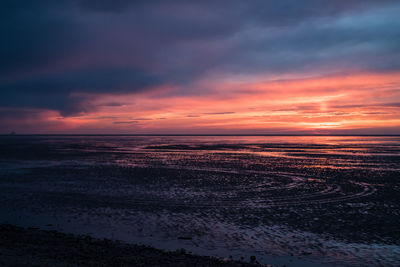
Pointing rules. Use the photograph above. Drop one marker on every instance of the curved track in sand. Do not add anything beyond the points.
(270, 189)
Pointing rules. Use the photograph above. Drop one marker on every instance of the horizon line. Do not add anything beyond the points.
(69, 134)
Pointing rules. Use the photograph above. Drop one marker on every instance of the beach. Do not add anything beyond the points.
(35, 247)
(294, 201)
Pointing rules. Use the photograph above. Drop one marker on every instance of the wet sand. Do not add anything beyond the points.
(34, 247)
(295, 201)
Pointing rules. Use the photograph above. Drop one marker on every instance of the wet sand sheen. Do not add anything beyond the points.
(229, 196)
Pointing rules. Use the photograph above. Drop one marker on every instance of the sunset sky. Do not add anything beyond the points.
(200, 67)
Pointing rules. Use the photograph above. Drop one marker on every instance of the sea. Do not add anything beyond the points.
(287, 200)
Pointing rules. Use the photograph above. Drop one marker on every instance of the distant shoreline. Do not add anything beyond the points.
(222, 135)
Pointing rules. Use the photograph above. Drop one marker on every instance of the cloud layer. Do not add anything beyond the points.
(74, 61)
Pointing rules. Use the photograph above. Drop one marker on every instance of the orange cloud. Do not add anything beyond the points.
(333, 103)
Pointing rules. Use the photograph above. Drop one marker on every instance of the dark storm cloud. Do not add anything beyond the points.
(53, 50)
(55, 91)
(114, 104)
(107, 5)
(33, 33)
(365, 41)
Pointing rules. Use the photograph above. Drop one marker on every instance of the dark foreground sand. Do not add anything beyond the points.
(35, 247)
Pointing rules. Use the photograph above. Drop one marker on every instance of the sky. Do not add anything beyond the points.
(200, 67)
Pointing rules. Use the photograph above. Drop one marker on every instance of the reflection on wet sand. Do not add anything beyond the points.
(287, 200)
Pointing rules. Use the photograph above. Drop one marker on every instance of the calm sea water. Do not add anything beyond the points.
(298, 201)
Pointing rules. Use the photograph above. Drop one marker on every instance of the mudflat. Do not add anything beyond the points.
(34, 247)
(294, 200)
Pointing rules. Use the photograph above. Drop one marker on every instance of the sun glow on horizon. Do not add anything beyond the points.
(303, 105)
